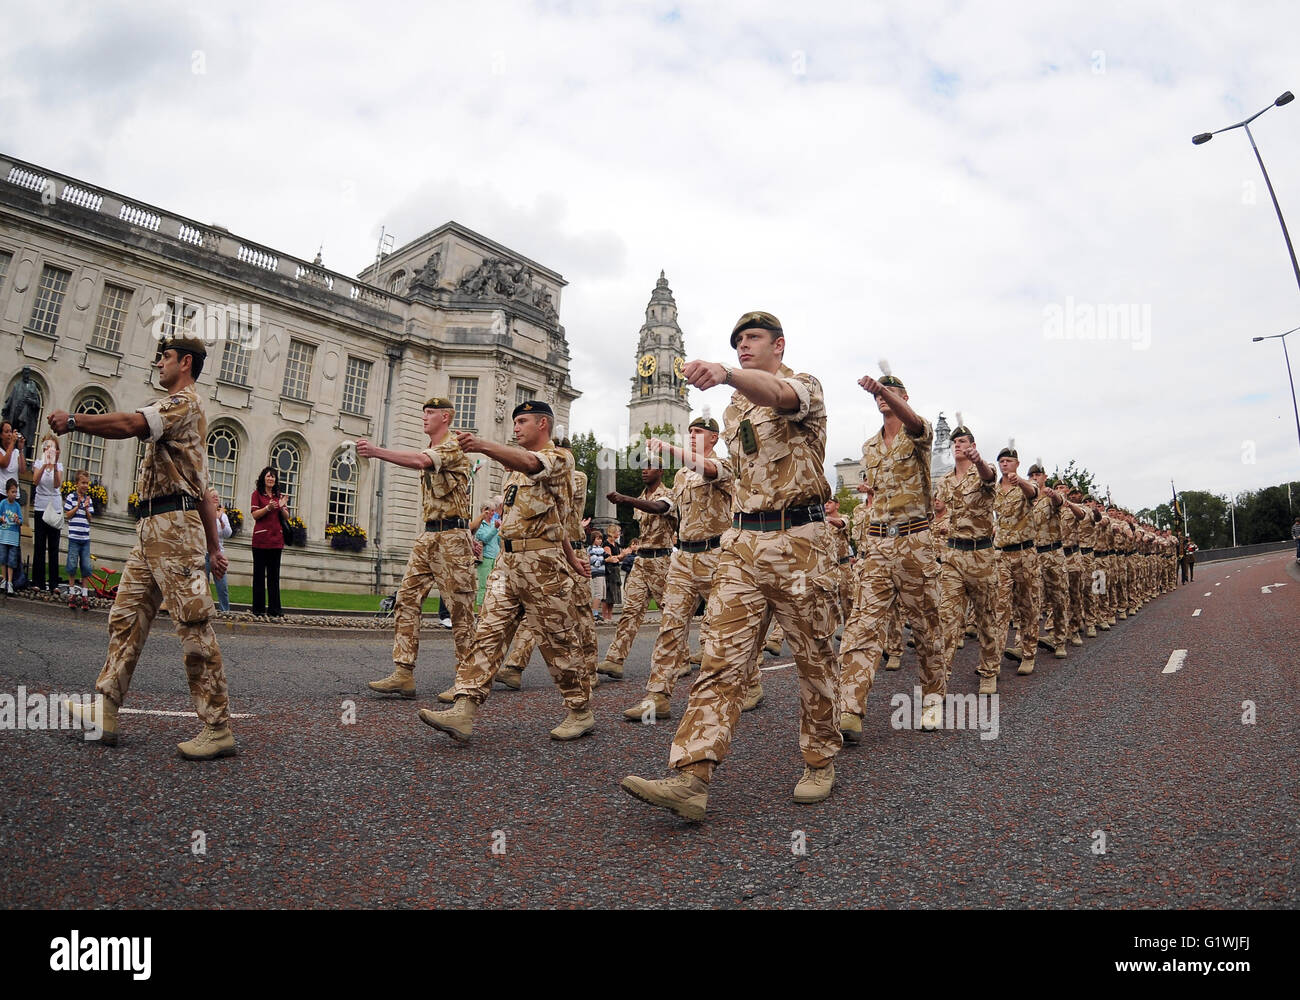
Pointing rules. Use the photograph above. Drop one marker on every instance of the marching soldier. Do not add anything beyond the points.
(900, 561)
(838, 529)
(176, 526)
(701, 504)
(1017, 560)
(970, 568)
(536, 574)
(650, 571)
(774, 556)
(443, 554)
(1051, 562)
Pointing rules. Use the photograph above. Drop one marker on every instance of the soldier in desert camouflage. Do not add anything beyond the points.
(774, 556)
(177, 526)
(1018, 582)
(443, 554)
(536, 575)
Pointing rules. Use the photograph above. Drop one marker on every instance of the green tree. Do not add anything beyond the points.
(848, 500)
(1208, 523)
(1077, 475)
(585, 451)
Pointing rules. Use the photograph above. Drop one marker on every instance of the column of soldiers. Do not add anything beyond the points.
(755, 534)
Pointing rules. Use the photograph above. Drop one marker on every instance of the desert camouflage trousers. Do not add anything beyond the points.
(540, 583)
(794, 574)
(970, 577)
(847, 587)
(647, 580)
(166, 564)
(690, 577)
(444, 558)
(899, 571)
(1018, 584)
(527, 638)
(1056, 594)
(1091, 587)
(1074, 572)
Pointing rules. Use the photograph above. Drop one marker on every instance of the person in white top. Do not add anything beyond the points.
(224, 531)
(47, 478)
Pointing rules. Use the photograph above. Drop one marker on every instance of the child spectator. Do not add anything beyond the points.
(596, 554)
(77, 510)
(11, 518)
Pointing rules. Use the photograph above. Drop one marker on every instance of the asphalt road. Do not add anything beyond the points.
(1110, 783)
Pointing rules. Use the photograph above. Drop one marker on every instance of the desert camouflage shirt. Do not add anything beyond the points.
(900, 474)
(783, 466)
(1047, 521)
(839, 538)
(702, 506)
(573, 521)
(1015, 513)
(658, 531)
(444, 485)
(537, 505)
(970, 504)
(176, 457)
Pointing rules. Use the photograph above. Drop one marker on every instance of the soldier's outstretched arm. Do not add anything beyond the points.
(406, 459)
(115, 426)
(759, 387)
(515, 459)
(640, 503)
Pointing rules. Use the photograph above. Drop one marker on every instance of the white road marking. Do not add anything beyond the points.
(779, 666)
(180, 715)
(1196, 612)
(1176, 659)
(1207, 594)
(1218, 585)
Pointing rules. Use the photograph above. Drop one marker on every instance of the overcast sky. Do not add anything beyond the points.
(955, 187)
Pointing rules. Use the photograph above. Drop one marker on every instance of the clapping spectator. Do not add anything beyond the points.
(47, 479)
(487, 530)
(268, 506)
(596, 552)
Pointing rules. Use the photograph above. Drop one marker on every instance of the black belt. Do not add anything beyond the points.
(844, 560)
(1101, 552)
(652, 553)
(1047, 548)
(446, 524)
(1018, 547)
(1085, 550)
(165, 505)
(701, 546)
(779, 520)
(881, 529)
(1071, 549)
(970, 544)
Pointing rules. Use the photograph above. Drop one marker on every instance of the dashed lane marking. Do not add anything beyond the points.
(1196, 612)
(1175, 663)
(179, 715)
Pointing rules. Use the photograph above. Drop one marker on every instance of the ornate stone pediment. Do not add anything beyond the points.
(510, 281)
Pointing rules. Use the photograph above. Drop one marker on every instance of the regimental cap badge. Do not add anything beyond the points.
(438, 403)
(538, 406)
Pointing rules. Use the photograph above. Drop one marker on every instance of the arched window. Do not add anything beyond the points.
(343, 490)
(85, 451)
(223, 463)
(396, 281)
(286, 460)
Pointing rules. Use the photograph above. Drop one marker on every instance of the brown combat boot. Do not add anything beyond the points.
(753, 698)
(401, 681)
(683, 793)
(211, 743)
(893, 661)
(100, 714)
(457, 721)
(773, 646)
(1026, 667)
(815, 785)
(575, 724)
(610, 669)
(850, 727)
(511, 677)
(652, 707)
(988, 684)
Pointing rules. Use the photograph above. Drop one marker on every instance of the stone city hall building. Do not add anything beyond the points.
(302, 362)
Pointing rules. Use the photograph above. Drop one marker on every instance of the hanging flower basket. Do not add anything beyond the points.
(296, 533)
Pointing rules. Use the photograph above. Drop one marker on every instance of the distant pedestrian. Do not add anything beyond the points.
(11, 519)
(268, 507)
(596, 552)
(47, 478)
(487, 530)
(78, 508)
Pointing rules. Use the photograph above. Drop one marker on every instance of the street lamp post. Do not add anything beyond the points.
(1286, 354)
(1205, 137)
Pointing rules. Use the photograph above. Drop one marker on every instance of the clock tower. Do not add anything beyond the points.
(658, 387)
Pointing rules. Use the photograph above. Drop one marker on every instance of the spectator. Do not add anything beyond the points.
(629, 556)
(47, 479)
(487, 530)
(268, 508)
(12, 462)
(224, 531)
(77, 510)
(613, 581)
(596, 554)
(11, 518)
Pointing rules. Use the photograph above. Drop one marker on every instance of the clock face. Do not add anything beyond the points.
(646, 366)
(679, 366)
